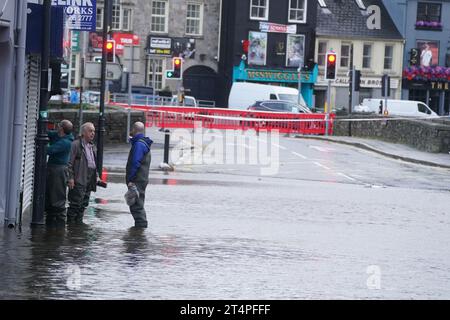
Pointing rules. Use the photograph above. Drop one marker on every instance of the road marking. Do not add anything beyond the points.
(299, 155)
(278, 146)
(322, 149)
(321, 165)
(346, 176)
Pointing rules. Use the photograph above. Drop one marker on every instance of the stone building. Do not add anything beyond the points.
(161, 30)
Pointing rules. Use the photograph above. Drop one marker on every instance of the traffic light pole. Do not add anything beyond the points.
(352, 81)
(327, 116)
(101, 118)
(300, 85)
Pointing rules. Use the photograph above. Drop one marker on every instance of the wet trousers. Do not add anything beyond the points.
(79, 199)
(56, 192)
(137, 210)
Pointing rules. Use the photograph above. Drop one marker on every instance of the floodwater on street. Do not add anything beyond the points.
(214, 233)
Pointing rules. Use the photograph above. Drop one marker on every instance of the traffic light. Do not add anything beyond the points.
(385, 86)
(177, 65)
(176, 73)
(110, 51)
(414, 57)
(330, 70)
(357, 80)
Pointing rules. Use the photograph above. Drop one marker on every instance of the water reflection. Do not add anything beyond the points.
(136, 245)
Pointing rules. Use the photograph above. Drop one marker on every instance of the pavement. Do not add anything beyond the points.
(391, 150)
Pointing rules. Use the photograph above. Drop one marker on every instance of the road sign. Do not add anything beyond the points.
(93, 70)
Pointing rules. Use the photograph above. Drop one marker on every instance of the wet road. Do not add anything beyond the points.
(334, 222)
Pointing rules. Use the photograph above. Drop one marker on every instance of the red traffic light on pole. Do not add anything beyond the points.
(176, 72)
(111, 51)
(330, 69)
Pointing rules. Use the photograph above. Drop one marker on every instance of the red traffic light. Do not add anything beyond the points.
(330, 68)
(331, 58)
(109, 45)
(177, 62)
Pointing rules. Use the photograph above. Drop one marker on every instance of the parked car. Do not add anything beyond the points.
(279, 106)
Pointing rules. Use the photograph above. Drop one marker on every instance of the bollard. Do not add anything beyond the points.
(166, 146)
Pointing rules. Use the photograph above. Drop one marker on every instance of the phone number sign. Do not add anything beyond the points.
(81, 14)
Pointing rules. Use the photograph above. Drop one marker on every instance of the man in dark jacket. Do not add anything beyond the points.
(83, 174)
(138, 167)
(56, 185)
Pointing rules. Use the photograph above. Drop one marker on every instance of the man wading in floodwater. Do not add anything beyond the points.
(138, 167)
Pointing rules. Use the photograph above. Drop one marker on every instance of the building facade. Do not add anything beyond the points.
(266, 41)
(375, 51)
(426, 28)
(160, 30)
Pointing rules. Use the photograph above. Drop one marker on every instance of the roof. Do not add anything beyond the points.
(346, 20)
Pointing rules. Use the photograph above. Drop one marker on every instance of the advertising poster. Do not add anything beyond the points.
(429, 53)
(257, 51)
(295, 50)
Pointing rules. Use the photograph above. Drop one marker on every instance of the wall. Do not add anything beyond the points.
(423, 135)
(116, 122)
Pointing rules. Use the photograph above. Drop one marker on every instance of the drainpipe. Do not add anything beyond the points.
(13, 206)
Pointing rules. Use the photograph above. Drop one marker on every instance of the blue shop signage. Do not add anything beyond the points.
(241, 73)
(81, 14)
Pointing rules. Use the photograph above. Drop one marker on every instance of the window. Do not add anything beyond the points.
(194, 19)
(99, 18)
(345, 55)
(430, 12)
(155, 73)
(367, 56)
(159, 20)
(297, 11)
(115, 23)
(126, 21)
(388, 56)
(322, 52)
(259, 9)
(121, 17)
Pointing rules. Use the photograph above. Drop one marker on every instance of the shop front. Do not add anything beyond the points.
(370, 87)
(430, 85)
(280, 77)
(435, 94)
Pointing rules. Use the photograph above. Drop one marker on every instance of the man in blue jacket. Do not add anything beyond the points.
(56, 185)
(138, 167)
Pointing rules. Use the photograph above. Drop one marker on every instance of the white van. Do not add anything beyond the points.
(245, 94)
(405, 108)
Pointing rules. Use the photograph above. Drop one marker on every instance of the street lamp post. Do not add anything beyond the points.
(40, 170)
(101, 118)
